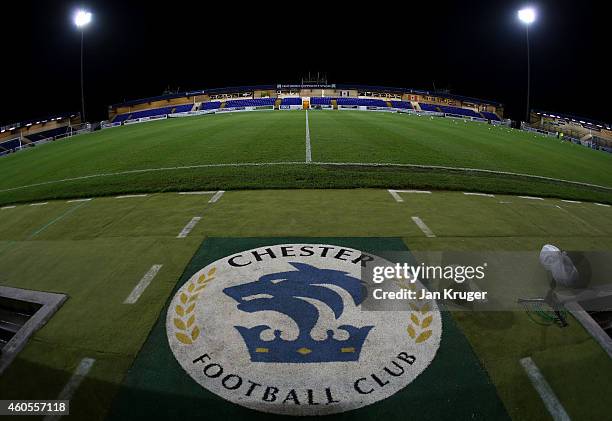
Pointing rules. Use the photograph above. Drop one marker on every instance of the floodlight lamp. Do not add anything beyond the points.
(82, 18)
(527, 15)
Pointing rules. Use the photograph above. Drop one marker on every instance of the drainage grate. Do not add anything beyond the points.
(23, 312)
(13, 315)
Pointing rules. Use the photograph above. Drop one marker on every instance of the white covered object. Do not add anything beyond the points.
(560, 265)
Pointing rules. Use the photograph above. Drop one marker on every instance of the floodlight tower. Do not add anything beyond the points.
(527, 16)
(82, 18)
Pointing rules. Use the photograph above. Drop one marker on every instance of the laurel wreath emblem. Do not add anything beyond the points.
(420, 318)
(184, 319)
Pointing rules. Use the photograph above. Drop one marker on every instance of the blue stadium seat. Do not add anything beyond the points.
(257, 102)
(212, 105)
(8, 145)
(429, 107)
(458, 111)
(318, 100)
(405, 105)
(490, 116)
(362, 102)
(291, 101)
(48, 133)
(183, 108)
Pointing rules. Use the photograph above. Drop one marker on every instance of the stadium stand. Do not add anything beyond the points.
(458, 111)
(318, 100)
(212, 105)
(404, 105)
(35, 137)
(362, 102)
(183, 108)
(429, 107)
(490, 116)
(257, 102)
(9, 145)
(153, 112)
(291, 101)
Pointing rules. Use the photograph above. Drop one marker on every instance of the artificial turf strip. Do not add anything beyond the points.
(157, 387)
(273, 137)
(98, 236)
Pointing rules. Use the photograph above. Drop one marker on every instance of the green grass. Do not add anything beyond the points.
(109, 161)
(97, 251)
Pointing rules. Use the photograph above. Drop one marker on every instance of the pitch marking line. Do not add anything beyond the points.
(53, 221)
(216, 197)
(8, 207)
(570, 201)
(602, 204)
(428, 232)
(398, 198)
(127, 196)
(39, 204)
(73, 384)
(79, 200)
(308, 148)
(478, 194)
(546, 393)
(196, 192)
(142, 284)
(187, 229)
(531, 198)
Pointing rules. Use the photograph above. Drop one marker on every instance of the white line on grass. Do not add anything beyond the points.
(602, 204)
(39, 204)
(53, 221)
(570, 201)
(127, 196)
(187, 229)
(531, 198)
(8, 207)
(266, 164)
(73, 384)
(478, 194)
(216, 197)
(428, 232)
(142, 284)
(546, 393)
(196, 192)
(398, 198)
(308, 148)
(79, 200)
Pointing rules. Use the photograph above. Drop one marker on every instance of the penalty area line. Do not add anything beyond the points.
(142, 284)
(552, 403)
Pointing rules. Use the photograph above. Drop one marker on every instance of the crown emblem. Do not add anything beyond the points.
(287, 293)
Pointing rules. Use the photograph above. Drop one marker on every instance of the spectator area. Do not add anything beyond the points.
(257, 102)
(154, 112)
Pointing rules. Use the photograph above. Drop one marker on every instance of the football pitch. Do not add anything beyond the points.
(349, 149)
(95, 215)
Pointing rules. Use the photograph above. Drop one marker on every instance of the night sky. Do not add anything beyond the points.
(138, 49)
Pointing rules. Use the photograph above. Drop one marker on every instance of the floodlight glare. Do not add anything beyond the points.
(527, 15)
(82, 18)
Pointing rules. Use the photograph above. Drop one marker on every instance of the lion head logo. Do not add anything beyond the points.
(289, 293)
